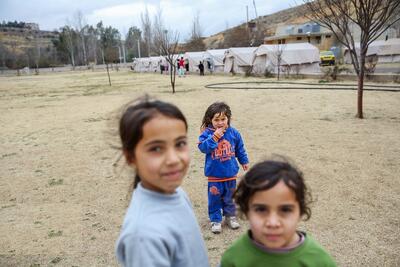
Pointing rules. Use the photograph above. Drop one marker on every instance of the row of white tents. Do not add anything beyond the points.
(385, 51)
(299, 58)
(296, 58)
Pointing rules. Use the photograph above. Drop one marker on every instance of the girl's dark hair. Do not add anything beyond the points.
(216, 108)
(265, 175)
(134, 117)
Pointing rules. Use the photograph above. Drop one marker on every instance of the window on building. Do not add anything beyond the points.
(300, 31)
(318, 39)
(327, 36)
(299, 38)
(281, 41)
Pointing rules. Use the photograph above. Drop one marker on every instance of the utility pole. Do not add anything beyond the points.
(255, 8)
(123, 52)
(138, 45)
(119, 54)
(247, 14)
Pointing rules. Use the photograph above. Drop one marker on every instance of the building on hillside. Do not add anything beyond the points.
(319, 36)
(388, 34)
(310, 32)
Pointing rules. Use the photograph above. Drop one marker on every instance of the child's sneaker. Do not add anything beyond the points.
(216, 227)
(232, 222)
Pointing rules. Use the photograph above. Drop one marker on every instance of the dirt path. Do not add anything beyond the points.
(62, 201)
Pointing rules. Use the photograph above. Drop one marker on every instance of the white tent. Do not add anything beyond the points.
(238, 59)
(141, 64)
(151, 64)
(215, 57)
(154, 63)
(387, 51)
(194, 59)
(297, 58)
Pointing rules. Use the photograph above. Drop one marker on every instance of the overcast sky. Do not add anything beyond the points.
(215, 15)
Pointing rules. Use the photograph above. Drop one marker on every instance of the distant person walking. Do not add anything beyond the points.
(181, 69)
(210, 65)
(162, 68)
(187, 65)
(201, 68)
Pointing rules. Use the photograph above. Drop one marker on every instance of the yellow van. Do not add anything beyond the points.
(327, 58)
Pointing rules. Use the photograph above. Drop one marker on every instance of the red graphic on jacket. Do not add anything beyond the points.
(224, 151)
(181, 63)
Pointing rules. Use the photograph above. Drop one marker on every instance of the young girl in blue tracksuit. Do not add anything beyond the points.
(222, 144)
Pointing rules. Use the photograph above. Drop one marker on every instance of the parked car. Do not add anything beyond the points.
(327, 58)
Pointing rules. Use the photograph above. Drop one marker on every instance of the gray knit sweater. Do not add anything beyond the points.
(160, 230)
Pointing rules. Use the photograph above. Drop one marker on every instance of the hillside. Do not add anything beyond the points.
(19, 40)
(266, 25)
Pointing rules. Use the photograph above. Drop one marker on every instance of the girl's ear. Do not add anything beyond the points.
(129, 157)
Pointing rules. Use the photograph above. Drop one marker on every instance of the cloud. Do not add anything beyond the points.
(121, 14)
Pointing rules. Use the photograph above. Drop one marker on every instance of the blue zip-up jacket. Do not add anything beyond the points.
(221, 153)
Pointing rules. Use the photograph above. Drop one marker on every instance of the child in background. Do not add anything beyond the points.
(201, 68)
(222, 144)
(181, 67)
(273, 196)
(160, 228)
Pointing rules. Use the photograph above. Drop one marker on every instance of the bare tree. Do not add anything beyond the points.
(256, 35)
(279, 54)
(81, 26)
(37, 54)
(373, 17)
(147, 31)
(132, 42)
(15, 60)
(69, 35)
(167, 42)
(3, 52)
(197, 31)
(396, 26)
(109, 40)
(100, 30)
(195, 42)
(93, 36)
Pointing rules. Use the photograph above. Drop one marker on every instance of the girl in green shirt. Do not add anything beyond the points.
(274, 198)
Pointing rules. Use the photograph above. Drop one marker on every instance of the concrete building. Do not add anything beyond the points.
(310, 32)
(318, 36)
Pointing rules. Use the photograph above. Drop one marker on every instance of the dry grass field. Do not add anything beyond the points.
(62, 201)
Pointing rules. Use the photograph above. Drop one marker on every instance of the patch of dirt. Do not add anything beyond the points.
(62, 201)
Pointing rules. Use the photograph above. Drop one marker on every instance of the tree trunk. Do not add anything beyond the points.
(95, 56)
(73, 60)
(279, 71)
(360, 86)
(84, 49)
(360, 94)
(102, 56)
(172, 76)
(108, 73)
